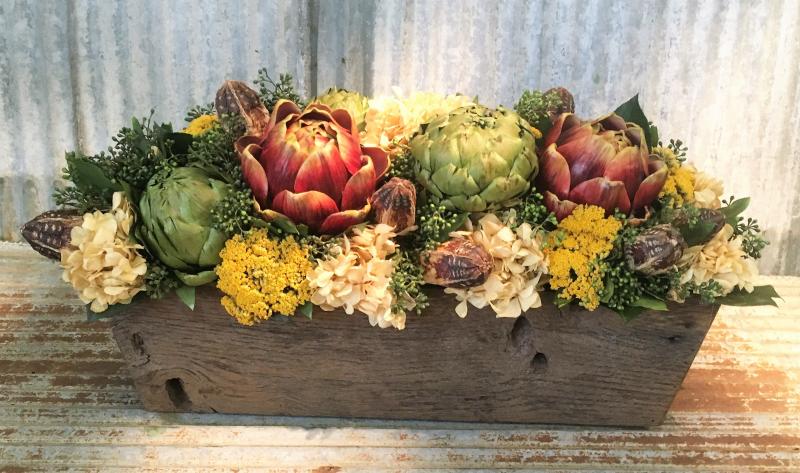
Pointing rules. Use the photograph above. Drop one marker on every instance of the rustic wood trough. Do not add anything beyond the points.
(565, 366)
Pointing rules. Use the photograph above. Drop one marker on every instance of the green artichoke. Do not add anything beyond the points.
(177, 222)
(353, 102)
(475, 159)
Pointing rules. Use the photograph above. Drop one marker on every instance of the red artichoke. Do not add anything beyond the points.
(310, 167)
(604, 162)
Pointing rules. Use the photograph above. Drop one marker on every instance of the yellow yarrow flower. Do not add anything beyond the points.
(200, 125)
(261, 276)
(574, 251)
(680, 181)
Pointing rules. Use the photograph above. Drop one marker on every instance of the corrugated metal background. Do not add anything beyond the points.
(721, 75)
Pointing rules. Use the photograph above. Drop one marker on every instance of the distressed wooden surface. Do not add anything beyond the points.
(67, 403)
(557, 366)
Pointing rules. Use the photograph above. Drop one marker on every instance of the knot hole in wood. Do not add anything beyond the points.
(177, 394)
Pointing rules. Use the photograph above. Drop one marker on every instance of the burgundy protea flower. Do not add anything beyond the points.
(602, 162)
(309, 167)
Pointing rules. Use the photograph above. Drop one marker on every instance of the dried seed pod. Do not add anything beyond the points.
(395, 204)
(567, 102)
(655, 250)
(236, 98)
(458, 263)
(50, 231)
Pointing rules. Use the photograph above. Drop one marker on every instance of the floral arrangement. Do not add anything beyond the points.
(355, 203)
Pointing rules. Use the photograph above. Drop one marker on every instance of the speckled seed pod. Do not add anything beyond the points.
(50, 231)
(235, 97)
(567, 102)
(458, 263)
(395, 204)
(655, 250)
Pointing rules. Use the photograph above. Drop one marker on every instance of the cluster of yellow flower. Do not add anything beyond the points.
(685, 184)
(261, 276)
(101, 262)
(575, 250)
(200, 125)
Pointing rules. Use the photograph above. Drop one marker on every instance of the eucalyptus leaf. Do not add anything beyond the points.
(186, 295)
(630, 313)
(112, 311)
(761, 295)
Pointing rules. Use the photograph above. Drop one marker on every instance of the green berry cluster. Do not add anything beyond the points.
(198, 111)
(159, 280)
(270, 91)
(535, 105)
(533, 211)
(407, 282)
(234, 214)
(403, 167)
(435, 224)
(214, 150)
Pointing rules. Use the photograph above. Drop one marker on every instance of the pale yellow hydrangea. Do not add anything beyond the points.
(512, 287)
(707, 191)
(392, 120)
(723, 260)
(101, 262)
(357, 275)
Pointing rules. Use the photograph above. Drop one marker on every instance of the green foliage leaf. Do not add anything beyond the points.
(632, 112)
(650, 303)
(307, 309)
(181, 142)
(698, 233)
(111, 311)
(187, 295)
(734, 209)
(88, 176)
(630, 313)
(761, 295)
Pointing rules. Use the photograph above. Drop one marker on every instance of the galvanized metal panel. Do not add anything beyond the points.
(66, 402)
(721, 75)
(72, 73)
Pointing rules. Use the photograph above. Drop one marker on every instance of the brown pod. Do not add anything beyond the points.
(236, 98)
(567, 102)
(458, 263)
(655, 250)
(50, 231)
(395, 204)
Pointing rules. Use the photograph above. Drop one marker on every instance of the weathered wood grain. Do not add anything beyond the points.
(738, 409)
(550, 366)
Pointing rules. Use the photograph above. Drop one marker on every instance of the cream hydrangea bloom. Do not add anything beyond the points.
(101, 263)
(707, 191)
(392, 120)
(512, 287)
(721, 259)
(356, 276)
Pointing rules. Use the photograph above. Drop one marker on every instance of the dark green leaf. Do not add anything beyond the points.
(630, 313)
(734, 209)
(698, 233)
(561, 303)
(632, 112)
(180, 142)
(186, 295)
(286, 225)
(88, 176)
(307, 309)
(111, 311)
(761, 295)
